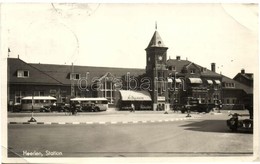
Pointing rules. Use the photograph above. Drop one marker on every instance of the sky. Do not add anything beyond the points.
(116, 35)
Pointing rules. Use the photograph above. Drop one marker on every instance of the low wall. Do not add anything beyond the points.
(233, 107)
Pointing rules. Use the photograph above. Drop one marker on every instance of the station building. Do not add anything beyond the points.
(163, 83)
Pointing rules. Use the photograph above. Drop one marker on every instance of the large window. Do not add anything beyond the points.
(22, 73)
(18, 96)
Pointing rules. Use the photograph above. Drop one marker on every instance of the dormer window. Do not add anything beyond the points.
(74, 76)
(172, 68)
(203, 69)
(22, 73)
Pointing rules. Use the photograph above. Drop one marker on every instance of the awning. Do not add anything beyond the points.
(217, 81)
(128, 95)
(178, 80)
(195, 80)
(210, 81)
(172, 80)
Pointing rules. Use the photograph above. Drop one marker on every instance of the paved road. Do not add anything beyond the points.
(199, 137)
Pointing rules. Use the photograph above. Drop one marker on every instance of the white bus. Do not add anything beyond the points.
(35, 103)
(91, 104)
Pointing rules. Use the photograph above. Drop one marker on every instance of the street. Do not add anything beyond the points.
(206, 136)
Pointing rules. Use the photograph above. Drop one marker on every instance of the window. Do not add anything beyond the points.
(41, 93)
(192, 71)
(22, 73)
(172, 68)
(227, 101)
(18, 96)
(204, 69)
(74, 76)
(230, 85)
(234, 101)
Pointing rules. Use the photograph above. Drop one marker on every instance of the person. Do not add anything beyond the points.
(73, 108)
(132, 107)
(219, 106)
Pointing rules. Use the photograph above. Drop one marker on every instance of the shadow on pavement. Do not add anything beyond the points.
(218, 126)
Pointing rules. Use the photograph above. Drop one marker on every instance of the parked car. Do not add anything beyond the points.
(16, 107)
(60, 107)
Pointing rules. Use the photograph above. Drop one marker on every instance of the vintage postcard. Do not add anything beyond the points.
(129, 82)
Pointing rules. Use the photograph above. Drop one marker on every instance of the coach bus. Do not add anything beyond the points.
(91, 104)
(35, 103)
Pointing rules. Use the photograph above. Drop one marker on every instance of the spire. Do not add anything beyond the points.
(156, 40)
(155, 25)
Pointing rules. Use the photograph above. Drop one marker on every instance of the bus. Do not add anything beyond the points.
(90, 104)
(36, 103)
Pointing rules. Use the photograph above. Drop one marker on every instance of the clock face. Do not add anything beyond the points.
(160, 57)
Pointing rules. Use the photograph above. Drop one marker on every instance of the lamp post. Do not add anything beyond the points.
(32, 119)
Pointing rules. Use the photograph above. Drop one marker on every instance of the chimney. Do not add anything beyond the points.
(243, 71)
(213, 67)
(178, 57)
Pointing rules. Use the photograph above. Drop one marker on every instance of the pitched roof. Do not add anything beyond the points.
(238, 85)
(248, 76)
(183, 64)
(62, 72)
(156, 41)
(48, 74)
(36, 76)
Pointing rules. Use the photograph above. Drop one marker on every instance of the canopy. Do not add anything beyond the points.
(195, 80)
(89, 99)
(129, 95)
(210, 81)
(217, 81)
(178, 80)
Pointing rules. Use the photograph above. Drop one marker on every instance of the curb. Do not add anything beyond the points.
(102, 123)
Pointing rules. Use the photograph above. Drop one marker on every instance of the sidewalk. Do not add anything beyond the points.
(108, 117)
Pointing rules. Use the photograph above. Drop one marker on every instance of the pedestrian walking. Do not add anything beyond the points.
(132, 107)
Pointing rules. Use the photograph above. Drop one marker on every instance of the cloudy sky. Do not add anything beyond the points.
(115, 35)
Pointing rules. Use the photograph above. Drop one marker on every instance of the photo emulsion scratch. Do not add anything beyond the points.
(129, 80)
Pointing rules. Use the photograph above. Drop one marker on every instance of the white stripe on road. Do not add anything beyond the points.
(112, 122)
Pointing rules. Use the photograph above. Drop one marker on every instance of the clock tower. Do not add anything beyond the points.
(156, 70)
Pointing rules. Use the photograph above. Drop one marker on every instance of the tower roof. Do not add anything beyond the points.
(156, 41)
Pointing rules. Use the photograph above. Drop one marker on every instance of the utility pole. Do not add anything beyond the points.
(72, 88)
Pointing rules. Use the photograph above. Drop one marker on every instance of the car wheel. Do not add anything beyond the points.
(97, 109)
